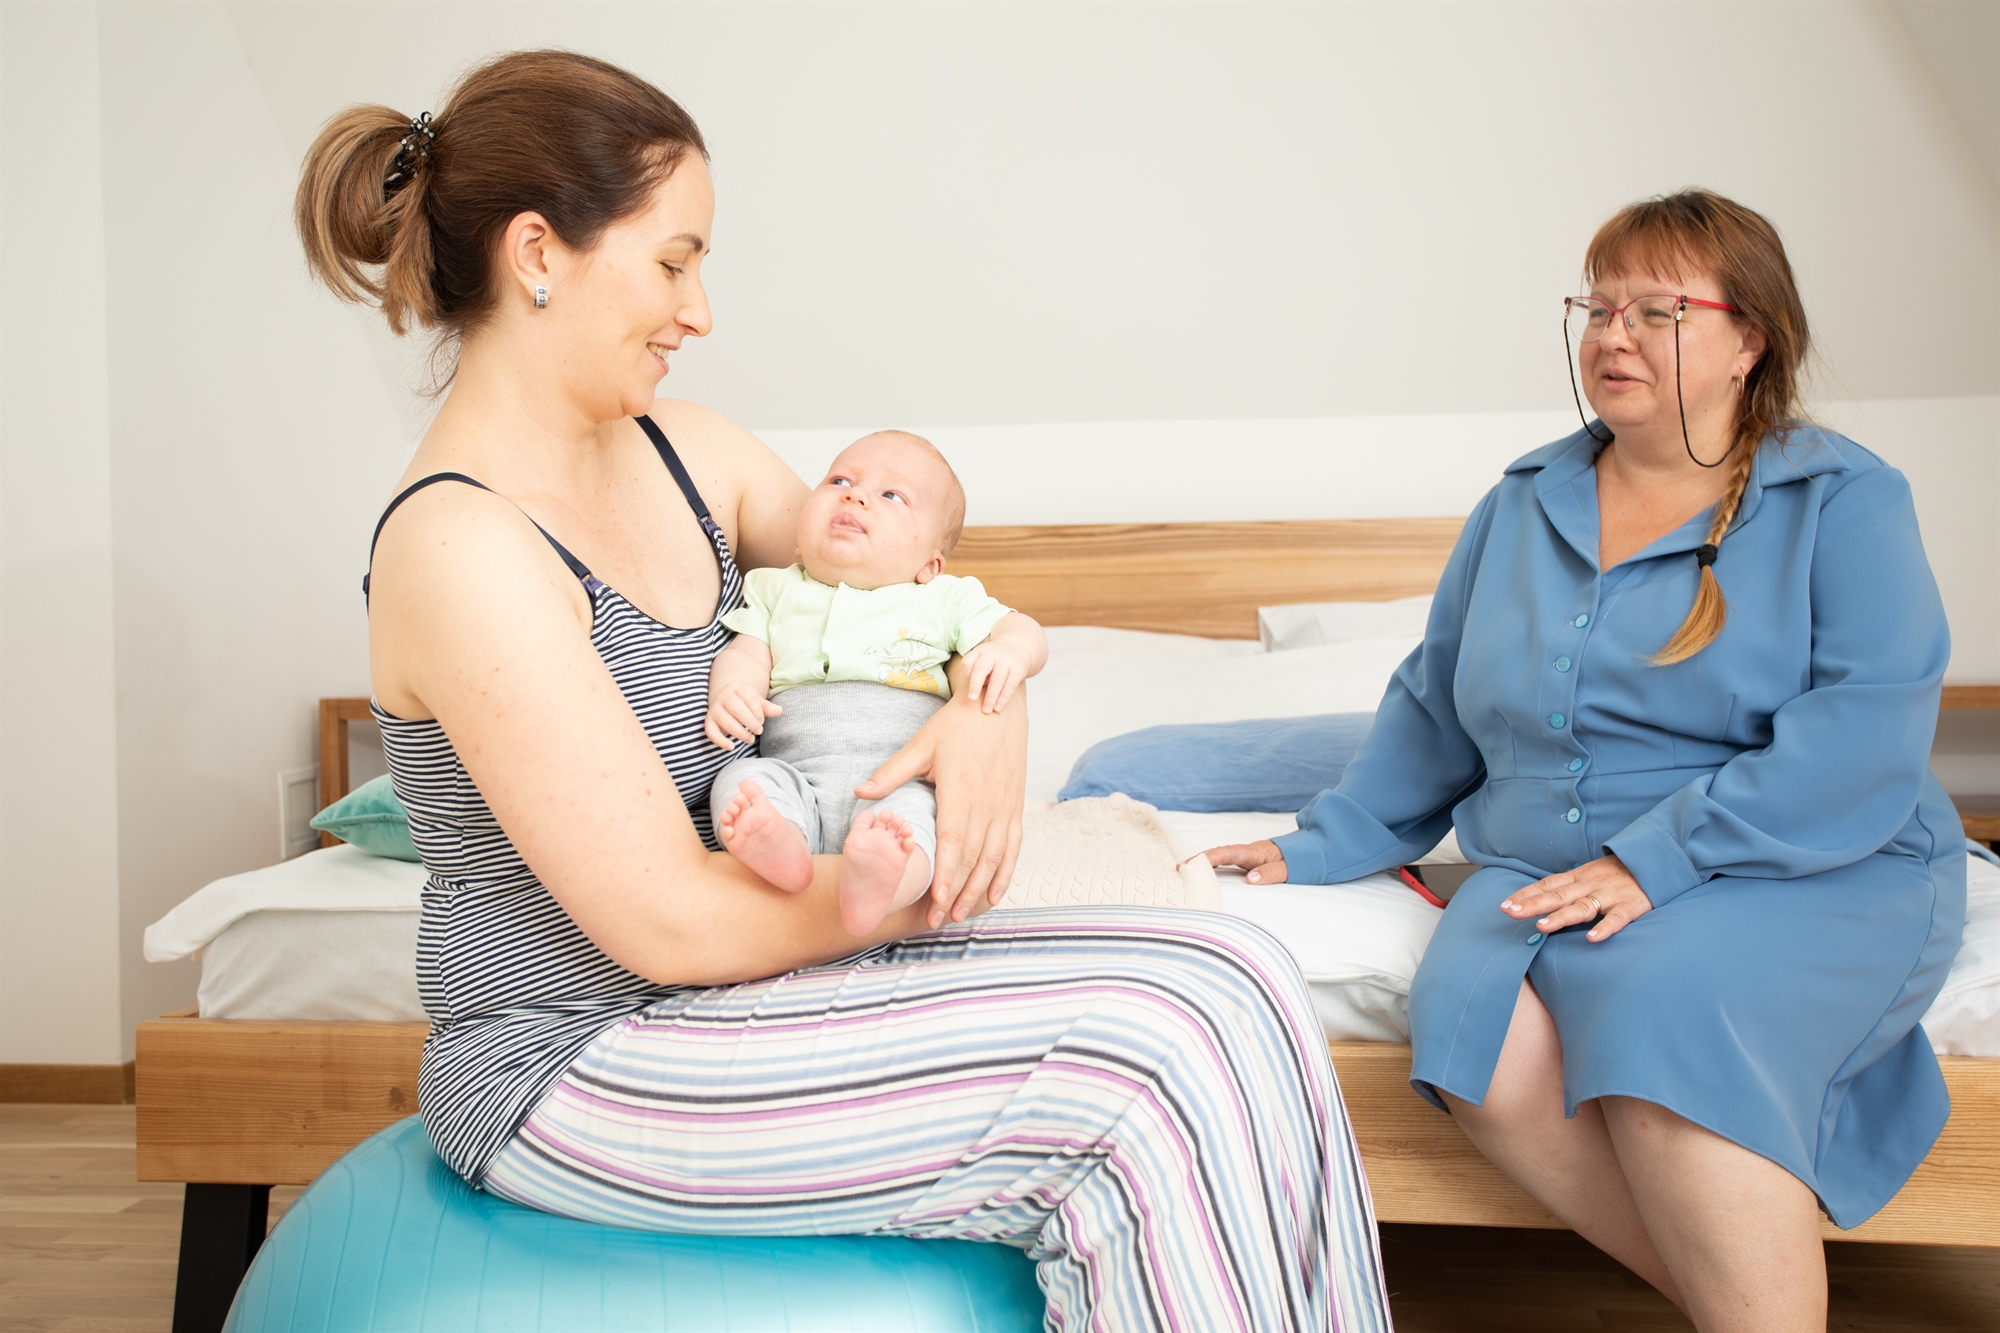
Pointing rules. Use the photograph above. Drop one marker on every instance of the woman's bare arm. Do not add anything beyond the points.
(756, 495)
(476, 622)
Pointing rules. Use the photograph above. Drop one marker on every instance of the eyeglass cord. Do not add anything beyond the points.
(1680, 400)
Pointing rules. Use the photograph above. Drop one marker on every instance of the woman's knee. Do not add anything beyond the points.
(1248, 951)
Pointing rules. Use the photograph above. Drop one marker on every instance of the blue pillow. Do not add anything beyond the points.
(372, 819)
(1275, 764)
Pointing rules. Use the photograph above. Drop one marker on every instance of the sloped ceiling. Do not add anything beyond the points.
(1959, 42)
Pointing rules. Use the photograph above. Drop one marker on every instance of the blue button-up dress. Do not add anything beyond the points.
(1771, 794)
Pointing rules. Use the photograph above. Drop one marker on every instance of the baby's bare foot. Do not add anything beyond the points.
(880, 870)
(764, 840)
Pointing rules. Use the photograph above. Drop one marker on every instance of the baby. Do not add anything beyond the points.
(854, 637)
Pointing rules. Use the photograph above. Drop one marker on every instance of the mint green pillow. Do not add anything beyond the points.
(372, 819)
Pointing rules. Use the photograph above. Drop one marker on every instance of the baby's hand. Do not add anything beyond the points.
(994, 670)
(736, 712)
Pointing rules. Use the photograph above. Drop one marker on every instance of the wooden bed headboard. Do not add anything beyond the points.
(1202, 578)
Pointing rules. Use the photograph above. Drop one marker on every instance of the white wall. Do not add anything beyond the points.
(59, 975)
(253, 439)
(1029, 213)
(1319, 248)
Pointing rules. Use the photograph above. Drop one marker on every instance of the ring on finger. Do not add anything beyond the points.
(1596, 907)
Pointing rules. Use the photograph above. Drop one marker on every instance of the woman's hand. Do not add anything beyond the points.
(1263, 860)
(1603, 887)
(979, 764)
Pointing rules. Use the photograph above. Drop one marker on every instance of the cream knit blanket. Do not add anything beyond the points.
(1106, 850)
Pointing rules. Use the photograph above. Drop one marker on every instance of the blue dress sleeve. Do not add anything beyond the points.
(1847, 758)
(1394, 800)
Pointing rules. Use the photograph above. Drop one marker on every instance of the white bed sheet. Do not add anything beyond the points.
(359, 967)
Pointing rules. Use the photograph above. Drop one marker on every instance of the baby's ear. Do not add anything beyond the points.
(932, 567)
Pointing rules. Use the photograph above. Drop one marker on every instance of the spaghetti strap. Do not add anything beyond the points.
(576, 566)
(673, 462)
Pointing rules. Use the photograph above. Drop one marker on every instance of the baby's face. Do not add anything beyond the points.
(880, 516)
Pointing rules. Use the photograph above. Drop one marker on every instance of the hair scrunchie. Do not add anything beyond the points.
(1704, 554)
(414, 150)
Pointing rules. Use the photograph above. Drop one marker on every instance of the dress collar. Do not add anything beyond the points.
(1566, 484)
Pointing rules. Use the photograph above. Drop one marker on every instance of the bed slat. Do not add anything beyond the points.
(233, 1102)
(1422, 1169)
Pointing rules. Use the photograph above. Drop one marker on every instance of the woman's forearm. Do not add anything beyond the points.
(729, 926)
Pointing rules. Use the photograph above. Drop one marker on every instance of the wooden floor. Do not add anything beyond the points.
(83, 1245)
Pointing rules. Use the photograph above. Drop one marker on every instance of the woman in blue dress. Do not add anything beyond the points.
(1677, 696)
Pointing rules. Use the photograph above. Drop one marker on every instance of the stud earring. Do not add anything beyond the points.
(541, 298)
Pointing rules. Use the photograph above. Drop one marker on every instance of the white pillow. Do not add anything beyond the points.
(1358, 945)
(1309, 624)
(1965, 1018)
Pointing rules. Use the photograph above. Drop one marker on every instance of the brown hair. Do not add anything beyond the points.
(1697, 231)
(577, 140)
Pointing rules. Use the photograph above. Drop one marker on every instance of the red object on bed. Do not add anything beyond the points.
(1416, 883)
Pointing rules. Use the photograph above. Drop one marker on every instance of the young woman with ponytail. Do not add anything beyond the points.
(1677, 696)
(627, 1026)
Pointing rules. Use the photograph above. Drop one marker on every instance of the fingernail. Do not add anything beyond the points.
(1254, 878)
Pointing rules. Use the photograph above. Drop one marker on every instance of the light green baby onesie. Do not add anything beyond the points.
(897, 635)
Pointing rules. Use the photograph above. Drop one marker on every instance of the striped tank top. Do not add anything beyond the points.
(514, 989)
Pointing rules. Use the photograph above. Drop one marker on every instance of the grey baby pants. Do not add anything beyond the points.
(827, 742)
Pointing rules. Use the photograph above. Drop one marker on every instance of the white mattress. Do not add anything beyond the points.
(332, 934)
(350, 956)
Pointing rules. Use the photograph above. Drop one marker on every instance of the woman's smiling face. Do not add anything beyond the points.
(1628, 374)
(629, 302)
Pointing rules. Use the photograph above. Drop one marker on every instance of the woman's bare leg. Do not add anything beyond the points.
(1569, 1166)
(1739, 1232)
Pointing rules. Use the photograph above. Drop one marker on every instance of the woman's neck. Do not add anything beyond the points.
(512, 428)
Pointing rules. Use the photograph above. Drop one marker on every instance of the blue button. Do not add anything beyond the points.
(1576, 765)
(1555, 719)
(1535, 938)
(1580, 621)
(1573, 815)
(1562, 664)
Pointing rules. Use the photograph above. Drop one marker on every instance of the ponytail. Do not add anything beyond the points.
(351, 222)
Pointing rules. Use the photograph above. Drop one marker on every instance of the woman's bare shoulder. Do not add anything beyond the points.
(754, 493)
(702, 432)
(457, 566)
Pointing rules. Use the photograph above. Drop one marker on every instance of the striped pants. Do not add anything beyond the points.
(1141, 1100)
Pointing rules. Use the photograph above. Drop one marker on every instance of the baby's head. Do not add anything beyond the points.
(889, 511)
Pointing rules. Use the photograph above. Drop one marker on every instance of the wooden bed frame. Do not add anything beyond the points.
(234, 1107)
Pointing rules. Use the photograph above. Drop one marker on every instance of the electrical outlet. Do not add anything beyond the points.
(298, 802)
